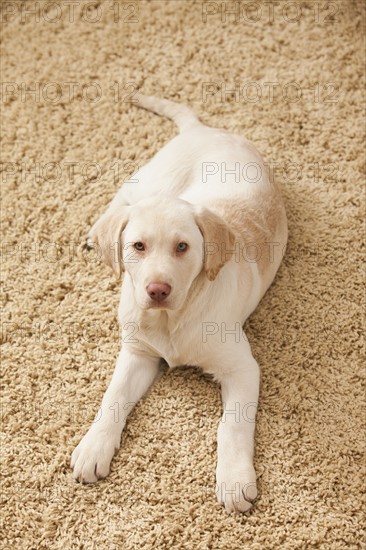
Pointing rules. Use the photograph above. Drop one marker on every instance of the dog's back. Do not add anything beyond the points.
(225, 173)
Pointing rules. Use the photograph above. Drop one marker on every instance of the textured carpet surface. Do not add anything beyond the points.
(298, 68)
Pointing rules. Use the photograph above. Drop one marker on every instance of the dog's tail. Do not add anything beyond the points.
(182, 115)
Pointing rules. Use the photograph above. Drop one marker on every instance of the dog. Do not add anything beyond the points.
(199, 234)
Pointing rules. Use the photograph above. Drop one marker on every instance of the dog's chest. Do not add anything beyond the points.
(177, 349)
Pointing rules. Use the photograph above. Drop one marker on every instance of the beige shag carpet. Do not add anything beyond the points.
(70, 135)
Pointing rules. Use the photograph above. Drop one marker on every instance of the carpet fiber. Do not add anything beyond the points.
(290, 77)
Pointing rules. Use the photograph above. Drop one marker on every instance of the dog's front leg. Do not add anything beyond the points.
(235, 474)
(132, 377)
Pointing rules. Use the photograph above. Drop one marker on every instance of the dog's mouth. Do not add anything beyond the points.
(158, 304)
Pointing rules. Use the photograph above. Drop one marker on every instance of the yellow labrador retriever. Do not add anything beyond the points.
(200, 238)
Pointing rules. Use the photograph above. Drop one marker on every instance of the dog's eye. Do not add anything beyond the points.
(182, 247)
(139, 246)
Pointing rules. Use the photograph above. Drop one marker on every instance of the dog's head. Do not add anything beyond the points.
(163, 244)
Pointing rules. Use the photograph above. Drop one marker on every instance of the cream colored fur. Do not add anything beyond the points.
(236, 232)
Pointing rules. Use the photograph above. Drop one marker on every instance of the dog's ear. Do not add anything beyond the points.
(105, 237)
(218, 239)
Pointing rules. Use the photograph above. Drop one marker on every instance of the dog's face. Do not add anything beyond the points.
(162, 252)
(163, 244)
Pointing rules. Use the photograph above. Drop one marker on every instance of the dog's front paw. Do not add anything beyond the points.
(91, 459)
(236, 487)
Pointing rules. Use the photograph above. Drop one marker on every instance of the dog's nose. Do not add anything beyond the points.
(158, 291)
